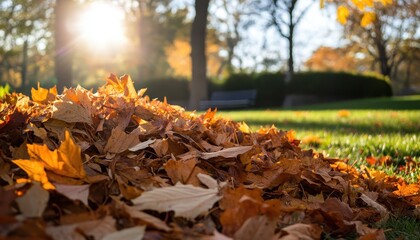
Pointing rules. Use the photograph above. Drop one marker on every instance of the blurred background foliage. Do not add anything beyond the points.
(249, 44)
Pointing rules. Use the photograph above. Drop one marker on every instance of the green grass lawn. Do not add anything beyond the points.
(355, 134)
(349, 134)
(386, 103)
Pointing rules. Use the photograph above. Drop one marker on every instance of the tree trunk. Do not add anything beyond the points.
(198, 87)
(64, 41)
(24, 67)
(290, 61)
(382, 54)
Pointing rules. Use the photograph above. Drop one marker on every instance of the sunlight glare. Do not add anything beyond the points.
(101, 25)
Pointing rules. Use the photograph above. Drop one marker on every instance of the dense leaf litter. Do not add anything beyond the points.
(116, 165)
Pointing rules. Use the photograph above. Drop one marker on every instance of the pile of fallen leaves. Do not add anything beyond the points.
(117, 165)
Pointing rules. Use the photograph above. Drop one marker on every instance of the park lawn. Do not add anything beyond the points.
(355, 135)
(361, 136)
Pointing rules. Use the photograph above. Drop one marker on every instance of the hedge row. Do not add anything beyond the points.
(339, 84)
(272, 89)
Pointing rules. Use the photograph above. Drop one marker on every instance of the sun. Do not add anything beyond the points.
(101, 25)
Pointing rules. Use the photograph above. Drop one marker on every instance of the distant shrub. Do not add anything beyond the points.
(174, 89)
(239, 81)
(271, 89)
(270, 86)
(341, 84)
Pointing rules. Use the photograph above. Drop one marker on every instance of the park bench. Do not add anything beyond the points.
(230, 99)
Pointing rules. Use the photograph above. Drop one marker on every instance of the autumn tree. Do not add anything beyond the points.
(178, 55)
(332, 59)
(284, 16)
(230, 18)
(385, 32)
(198, 87)
(24, 40)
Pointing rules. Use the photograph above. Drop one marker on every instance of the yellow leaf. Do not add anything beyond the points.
(244, 128)
(367, 19)
(35, 170)
(70, 153)
(43, 95)
(342, 14)
(386, 2)
(124, 85)
(360, 4)
(65, 161)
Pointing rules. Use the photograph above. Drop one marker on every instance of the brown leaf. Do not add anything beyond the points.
(97, 229)
(381, 209)
(119, 141)
(142, 145)
(128, 233)
(227, 152)
(184, 171)
(257, 227)
(129, 192)
(302, 231)
(7, 197)
(155, 222)
(74, 192)
(71, 112)
(186, 200)
(34, 201)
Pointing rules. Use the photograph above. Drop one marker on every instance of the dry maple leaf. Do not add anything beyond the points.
(407, 189)
(65, 161)
(226, 153)
(42, 95)
(184, 171)
(123, 85)
(119, 141)
(70, 112)
(35, 170)
(185, 200)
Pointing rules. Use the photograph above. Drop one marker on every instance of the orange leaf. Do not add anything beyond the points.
(343, 113)
(43, 95)
(122, 85)
(35, 170)
(371, 160)
(407, 189)
(65, 161)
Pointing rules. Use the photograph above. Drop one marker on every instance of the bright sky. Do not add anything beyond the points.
(317, 28)
(101, 25)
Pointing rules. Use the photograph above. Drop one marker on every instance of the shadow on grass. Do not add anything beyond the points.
(391, 103)
(346, 128)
